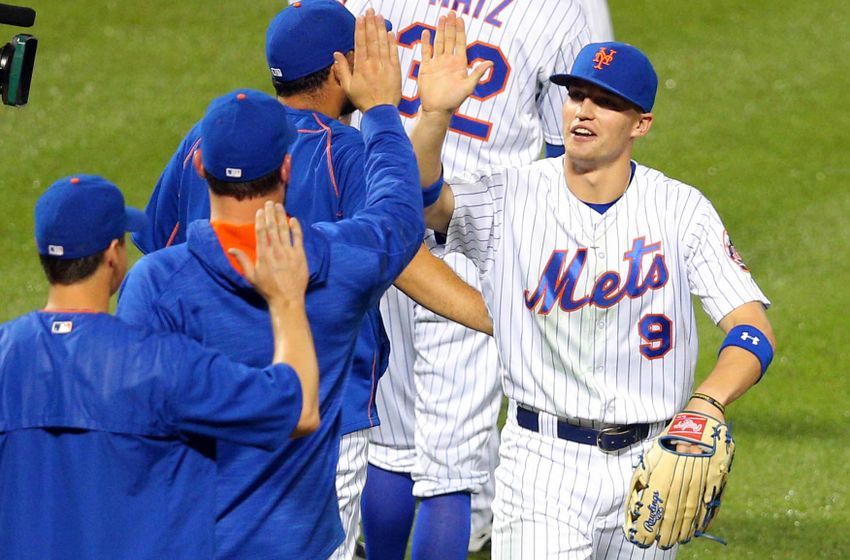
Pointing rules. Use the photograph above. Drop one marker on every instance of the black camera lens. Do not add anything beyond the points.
(17, 60)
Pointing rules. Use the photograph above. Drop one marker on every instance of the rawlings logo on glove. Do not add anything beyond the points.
(687, 426)
(674, 496)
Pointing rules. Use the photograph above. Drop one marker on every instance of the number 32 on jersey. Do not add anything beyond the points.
(492, 86)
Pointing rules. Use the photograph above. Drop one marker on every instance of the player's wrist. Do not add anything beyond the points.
(436, 116)
(710, 407)
(284, 304)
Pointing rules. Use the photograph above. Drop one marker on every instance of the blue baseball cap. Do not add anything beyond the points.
(80, 215)
(615, 67)
(302, 38)
(245, 135)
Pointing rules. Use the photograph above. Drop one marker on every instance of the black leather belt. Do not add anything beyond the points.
(606, 439)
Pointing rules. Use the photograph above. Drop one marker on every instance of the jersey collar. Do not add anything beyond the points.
(203, 243)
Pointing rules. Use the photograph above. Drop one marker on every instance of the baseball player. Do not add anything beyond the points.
(283, 504)
(589, 264)
(328, 186)
(438, 417)
(107, 432)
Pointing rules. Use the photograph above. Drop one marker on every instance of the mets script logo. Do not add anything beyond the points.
(558, 283)
(656, 511)
(687, 426)
(603, 57)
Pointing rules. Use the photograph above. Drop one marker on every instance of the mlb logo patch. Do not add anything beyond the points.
(688, 426)
(62, 327)
(234, 172)
(55, 250)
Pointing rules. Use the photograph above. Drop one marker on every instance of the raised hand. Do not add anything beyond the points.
(376, 76)
(444, 79)
(280, 274)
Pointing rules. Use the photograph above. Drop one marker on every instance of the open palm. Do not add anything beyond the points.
(444, 79)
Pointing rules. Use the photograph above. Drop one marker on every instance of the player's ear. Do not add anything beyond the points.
(643, 125)
(286, 170)
(334, 75)
(113, 252)
(198, 163)
(115, 258)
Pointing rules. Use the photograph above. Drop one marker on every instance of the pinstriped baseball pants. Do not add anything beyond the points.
(557, 499)
(350, 480)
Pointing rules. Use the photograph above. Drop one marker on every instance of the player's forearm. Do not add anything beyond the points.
(737, 369)
(439, 215)
(427, 138)
(430, 282)
(294, 346)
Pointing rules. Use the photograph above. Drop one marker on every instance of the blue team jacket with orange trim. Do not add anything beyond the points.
(107, 436)
(283, 504)
(327, 185)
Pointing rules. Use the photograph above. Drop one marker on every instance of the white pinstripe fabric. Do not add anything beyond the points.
(536, 41)
(587, 363)
(457, 401)
(350, 480)
(576, 513)
(395, 396)
(598, 20)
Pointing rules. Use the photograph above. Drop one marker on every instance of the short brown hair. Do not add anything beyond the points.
(245, 190)
(305, 84)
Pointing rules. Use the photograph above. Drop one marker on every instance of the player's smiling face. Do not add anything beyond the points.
(599, 126)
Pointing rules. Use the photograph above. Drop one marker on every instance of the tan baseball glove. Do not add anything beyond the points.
(674, 496)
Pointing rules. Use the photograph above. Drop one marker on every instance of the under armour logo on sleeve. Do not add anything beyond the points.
(745, 336)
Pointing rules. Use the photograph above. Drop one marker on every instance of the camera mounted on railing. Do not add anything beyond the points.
(17, 57)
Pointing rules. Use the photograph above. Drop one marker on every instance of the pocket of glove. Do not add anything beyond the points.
(674, 496)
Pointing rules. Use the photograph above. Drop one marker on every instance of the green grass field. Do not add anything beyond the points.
(751, 110)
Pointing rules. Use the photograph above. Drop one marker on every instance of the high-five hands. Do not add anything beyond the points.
(376, 76)
(444, 79)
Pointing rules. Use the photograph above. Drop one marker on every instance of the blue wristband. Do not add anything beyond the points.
(752, 340)
(431, 193)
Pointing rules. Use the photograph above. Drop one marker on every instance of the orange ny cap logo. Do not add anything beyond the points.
(603, 57)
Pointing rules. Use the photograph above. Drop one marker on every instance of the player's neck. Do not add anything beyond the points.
(598, 184)
(229, 210)
(324, 104)
(91, 294)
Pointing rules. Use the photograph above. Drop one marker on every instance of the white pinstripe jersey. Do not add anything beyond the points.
(516, 108)
(592, 312)
(505, 122)
(598, 20)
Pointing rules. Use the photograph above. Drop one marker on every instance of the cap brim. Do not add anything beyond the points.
(566, 79)
(560, 79)
(136, 219)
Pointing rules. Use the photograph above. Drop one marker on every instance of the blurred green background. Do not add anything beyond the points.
(752, 109)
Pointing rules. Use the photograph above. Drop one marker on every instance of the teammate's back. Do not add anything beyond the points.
(102, 426)
(283, 504)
